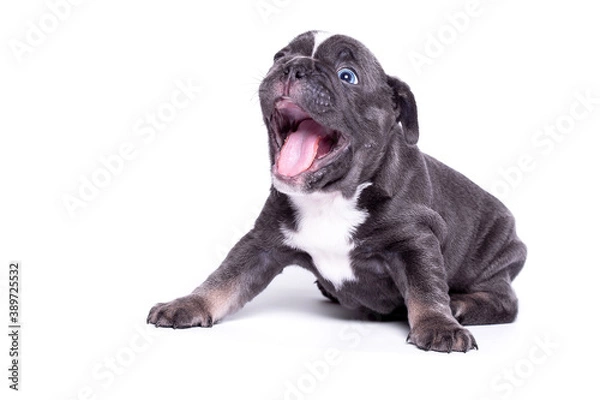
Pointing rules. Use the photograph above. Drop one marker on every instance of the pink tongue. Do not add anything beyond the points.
(300, 149)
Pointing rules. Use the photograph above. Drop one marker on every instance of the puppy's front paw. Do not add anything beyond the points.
(441, 334)
(185, 312)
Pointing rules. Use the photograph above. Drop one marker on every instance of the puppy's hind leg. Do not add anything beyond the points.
(490, 298)
(484, 307)
(490, 302)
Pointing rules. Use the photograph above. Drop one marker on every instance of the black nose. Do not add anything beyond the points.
(298, 69)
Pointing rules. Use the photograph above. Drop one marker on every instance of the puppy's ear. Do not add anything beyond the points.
(406, 109)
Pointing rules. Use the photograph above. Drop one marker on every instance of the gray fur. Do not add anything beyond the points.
(435, 247)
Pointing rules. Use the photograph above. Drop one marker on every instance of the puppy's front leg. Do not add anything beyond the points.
(248, 268)
(432, 326)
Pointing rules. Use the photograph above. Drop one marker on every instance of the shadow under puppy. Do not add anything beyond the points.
(384, 228)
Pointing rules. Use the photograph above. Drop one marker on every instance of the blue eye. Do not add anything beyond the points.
(347, 75)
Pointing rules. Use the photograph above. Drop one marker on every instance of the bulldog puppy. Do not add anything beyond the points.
(385, 229)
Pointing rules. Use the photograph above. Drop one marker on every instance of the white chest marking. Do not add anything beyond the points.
(326, 223)
(320, 37)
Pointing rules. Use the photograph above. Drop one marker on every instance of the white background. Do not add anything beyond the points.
(166, 220)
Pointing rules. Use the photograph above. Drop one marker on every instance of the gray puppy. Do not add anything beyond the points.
(386, 229)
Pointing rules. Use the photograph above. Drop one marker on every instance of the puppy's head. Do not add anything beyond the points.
(331, 112)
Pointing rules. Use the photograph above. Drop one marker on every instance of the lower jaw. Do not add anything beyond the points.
(324, 174)
(301, 183)
(287, 187)
(324, 179)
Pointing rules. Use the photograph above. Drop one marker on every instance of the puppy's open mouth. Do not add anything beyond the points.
(303, 144)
